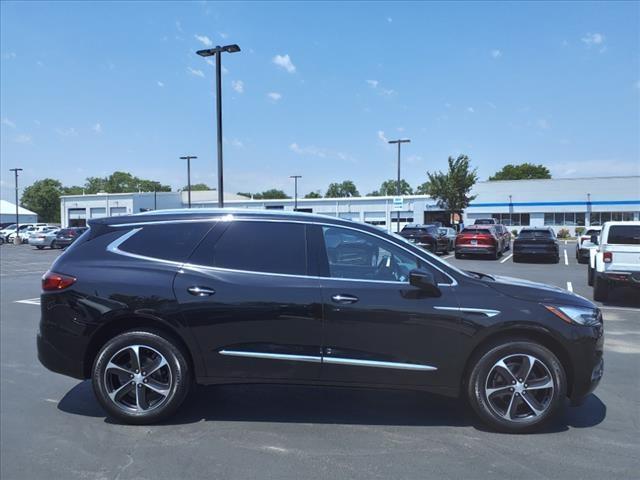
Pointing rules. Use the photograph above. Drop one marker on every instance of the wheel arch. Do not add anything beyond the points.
(521, 333)
(126, 323)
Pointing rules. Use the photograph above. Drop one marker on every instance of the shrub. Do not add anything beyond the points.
(514, 232)
(563, 233)
(579, 231)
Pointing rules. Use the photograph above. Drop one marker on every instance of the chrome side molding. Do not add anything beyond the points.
(272, 356)
(477, 311)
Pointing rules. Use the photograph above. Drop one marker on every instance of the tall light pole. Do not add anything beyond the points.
(188, 158)
(15, 171)
(511, 210)
(295, 196)
(399, 142)
(217, 52)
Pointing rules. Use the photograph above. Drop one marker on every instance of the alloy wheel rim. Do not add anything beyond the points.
(138, 379)
(519, 388)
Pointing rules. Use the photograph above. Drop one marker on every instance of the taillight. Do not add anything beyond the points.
(607, 257)
(56, 281)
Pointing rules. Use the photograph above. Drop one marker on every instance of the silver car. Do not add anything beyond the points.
(43, 239)
(450, 233)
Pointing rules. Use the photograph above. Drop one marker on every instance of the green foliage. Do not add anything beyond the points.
(197, 187)
(451, 189)
(514, 232)
(43, 197)
(422, 189)
(390, 188)
(345, 189)
(524, 171)
(271, 194)
(123, 182)
(73, 190)
(579, 231)
(313, 195)
(564, 233)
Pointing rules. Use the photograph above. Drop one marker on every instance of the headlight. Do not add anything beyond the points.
(589, 317)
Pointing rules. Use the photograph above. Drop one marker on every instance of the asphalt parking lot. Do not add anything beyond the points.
(51, 426)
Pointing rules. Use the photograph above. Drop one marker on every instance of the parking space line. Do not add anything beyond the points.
(506, 258)
(30, 301)
(566, 258)
(570, 287)
(623, 309)
(448, 256)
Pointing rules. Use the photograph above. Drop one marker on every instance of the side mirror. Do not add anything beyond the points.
(594, 239)
(424, 280)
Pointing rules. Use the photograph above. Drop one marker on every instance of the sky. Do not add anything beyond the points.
(87, 88)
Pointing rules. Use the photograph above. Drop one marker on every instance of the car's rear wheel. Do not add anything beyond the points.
(600, 288)
(39, 247)
(516, 386)
(141, 377)
(590, 276)
(54, 245)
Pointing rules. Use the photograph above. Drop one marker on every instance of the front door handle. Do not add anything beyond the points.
(197, 291)
(343, 298)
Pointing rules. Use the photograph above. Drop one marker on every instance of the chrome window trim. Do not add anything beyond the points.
(114, 247)
(482, 311)
(230, 217)
(330, 360)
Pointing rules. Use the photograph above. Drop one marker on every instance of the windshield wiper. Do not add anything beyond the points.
(480, 275)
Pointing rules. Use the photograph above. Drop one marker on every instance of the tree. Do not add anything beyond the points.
(390, 188)
(123, 182)
(451, 189)
(43, 197)
(524, 171)
(73, 190)
(313, 195)
(272, 194)
(197, 187)
(422, 189)
(345, 189)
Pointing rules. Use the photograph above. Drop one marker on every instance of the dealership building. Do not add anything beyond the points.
(558, 203)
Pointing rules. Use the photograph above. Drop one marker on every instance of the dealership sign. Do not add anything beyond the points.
(398, 204)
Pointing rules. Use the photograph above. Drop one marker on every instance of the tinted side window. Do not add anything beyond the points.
(173, 242)
(269, 247)
(624, 235)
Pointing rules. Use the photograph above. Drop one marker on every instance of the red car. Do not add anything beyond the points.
(480, 240)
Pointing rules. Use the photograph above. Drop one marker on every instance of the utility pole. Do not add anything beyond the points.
(399, 142)
(295, 196)
(16, 241)
(188, 158)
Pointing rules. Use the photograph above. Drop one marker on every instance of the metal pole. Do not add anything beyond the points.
(510, 211)
(155, 199)
(219, 116)
(398, 189)
(16, 241)
(189, 179)
(295, 196)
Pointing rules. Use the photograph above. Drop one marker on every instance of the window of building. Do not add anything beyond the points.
(564, 218)
(512, 219)
(599, 218)
(117, 211)
(168, 242)
(269, 247)
(274, 207)
(97, 212)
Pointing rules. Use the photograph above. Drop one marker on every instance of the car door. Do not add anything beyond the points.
(378, 328)
(250, 301)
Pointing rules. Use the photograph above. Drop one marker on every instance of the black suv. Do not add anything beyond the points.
(536, 243)
(67, 236)
(145, 305)
(428, 237)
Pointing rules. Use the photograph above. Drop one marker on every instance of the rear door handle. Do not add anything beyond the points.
(197, 291)
(344, 298)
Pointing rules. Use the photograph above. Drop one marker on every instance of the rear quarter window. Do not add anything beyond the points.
(173, 241)
(624, 235)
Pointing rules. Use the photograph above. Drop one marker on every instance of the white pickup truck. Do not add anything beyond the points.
(616, 259)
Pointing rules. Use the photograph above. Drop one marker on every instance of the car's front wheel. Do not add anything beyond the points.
(141, 377)
(516, 386)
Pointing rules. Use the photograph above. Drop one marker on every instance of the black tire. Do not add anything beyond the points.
(556, 259)
(496, 254)
(523, 418)
(590, 276)
(600, 288)
(458, 255)
(53, 245)
(515, 258)
(39, 247)
(175, 375)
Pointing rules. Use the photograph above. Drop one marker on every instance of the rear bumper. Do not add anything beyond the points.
(622, 277)
(57, 361)
(476, 249)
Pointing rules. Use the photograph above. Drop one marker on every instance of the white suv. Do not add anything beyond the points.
(584, 244)
(616, 259)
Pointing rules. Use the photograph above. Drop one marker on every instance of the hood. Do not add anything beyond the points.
(537, 292)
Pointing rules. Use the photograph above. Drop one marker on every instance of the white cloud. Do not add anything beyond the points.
(179, 26)
(284, 61)
(389, 19)
(223, 35)
(22, 138)
(373, 83)
(492, 105)
(495, 53)
(238, 85)
(470, 110)
(593, 39)
(637, 84)
(40, 63)
(237, 143)
(543, 123)
(8, 123)
(319, 152)
(97, 128)
(10, 55)
(197, 73)
(203, 39)
(382, 137)
(67, 132)
(274, 96)
(605, 167)
(160, 84)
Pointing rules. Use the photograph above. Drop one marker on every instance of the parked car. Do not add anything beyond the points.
(584, 244)
(536, 243)
(450, 234)
(6, 231)
(23, 227)
(46, 238)
(479, 240)
(66, 236)
(505, 236)
(146, 304)
(485, 221)
(427, 237)
(615, 261)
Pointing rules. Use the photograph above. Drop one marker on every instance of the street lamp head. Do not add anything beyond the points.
(209, 52)
(402, 140)
(231, 48)
(188, 157)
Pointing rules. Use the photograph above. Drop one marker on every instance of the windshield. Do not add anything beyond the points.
(535, 234)
(624, 235)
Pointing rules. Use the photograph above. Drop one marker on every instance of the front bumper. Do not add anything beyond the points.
(588, 364)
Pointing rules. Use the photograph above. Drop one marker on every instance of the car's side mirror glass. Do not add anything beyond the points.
(424, 280)
(594, 239)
